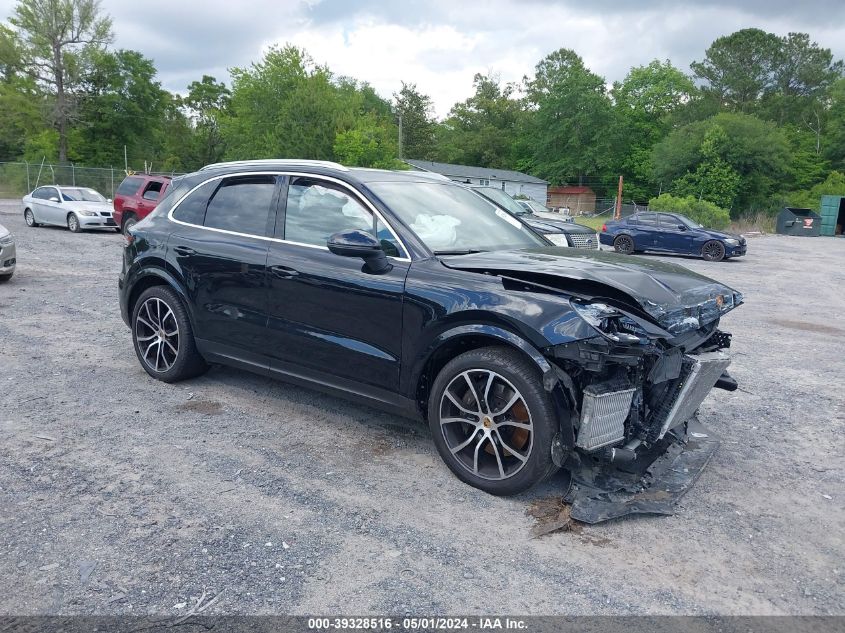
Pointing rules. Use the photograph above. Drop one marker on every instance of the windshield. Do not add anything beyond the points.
(451, 219)
(535, 206)
(78, 194)
(503, 200)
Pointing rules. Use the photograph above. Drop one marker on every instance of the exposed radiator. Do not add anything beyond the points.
(603, 414)
(703, 373)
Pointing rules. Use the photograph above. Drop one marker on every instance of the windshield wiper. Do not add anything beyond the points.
(465, 251)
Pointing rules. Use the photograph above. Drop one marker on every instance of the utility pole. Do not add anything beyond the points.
(618, 214)
(400, 134)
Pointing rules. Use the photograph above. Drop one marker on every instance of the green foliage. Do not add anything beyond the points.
(370, 143)
(484, 129)
(567, 133)
(704, 212)
(756, 151)
(644, 104)
(55, 40)
(416, 112)
(833, 185)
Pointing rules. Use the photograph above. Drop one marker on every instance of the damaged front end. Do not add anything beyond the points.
(634, 388)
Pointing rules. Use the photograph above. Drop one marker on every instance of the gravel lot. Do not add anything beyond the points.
(121, 494)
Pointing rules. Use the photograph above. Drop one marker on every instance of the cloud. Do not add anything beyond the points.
(441, 44)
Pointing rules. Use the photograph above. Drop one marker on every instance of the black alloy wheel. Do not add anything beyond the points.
(624, 244)
(492, 421)
(713, 251)
(163, 337)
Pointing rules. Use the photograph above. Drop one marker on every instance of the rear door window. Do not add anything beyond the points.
(129, 186)
(242, 204)
(153, 190)
(647, 219)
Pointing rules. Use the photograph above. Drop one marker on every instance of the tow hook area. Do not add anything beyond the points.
(640, 481)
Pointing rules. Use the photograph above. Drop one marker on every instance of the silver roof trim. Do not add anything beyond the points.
(270, 162)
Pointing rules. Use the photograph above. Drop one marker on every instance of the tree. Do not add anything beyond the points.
(206, 101)
(571, 115)
(644, 104)
(56, 35)
(415, 114)
(484, 129)
(756, 150)
(833, 185)
(713, 179)
(20, 100)
(121, 104)
(370, 143)
(739, 68)
(833, 141)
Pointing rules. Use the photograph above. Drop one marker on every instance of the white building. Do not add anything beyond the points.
(513, 182)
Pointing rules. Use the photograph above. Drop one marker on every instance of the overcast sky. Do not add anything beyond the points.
(441, 44)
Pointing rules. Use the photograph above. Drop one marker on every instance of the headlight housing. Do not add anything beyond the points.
(611, 322)
(732, 242)
(7, 240)
(88, 213)
(558, 239)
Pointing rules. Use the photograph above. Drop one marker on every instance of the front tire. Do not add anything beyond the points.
(624, 244)
(6, 277)
(713, 251)
(163, 337)
(73, 223)
(29, 218)
(492, 421)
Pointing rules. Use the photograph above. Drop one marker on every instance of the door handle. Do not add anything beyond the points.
(283, 272)
(184, 250)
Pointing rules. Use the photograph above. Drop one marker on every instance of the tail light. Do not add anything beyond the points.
(604, 228)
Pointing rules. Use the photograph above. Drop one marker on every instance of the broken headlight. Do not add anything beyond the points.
(610, 322)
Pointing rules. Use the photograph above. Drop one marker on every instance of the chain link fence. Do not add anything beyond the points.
(18, 179)
(606, 207)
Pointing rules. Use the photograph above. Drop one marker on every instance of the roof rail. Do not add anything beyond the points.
(267, 162)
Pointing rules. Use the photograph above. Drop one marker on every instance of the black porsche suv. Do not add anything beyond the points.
(419, 296)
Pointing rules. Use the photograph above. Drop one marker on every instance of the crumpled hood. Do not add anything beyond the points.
(678, 299)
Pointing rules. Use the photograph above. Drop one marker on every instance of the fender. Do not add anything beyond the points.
(138, 274)
(551, 374)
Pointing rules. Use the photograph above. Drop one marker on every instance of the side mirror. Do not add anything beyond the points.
(356, 243)
(682, 227)
(54, 199)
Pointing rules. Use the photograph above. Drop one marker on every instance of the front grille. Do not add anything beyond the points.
(106, 214)
(603, 414)
(579, 240)
(699, 374)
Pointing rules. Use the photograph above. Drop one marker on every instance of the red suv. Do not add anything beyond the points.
(136, 197)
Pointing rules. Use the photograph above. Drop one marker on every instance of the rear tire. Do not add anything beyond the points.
(73, 223)
(128, 222)
(163, 337)
(713, 251)
(624, 244)
(496, 436)
(29, 218)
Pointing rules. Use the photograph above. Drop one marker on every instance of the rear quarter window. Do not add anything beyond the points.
(129, 186)
(192, 209)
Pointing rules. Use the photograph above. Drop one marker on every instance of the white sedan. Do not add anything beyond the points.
(77, 208)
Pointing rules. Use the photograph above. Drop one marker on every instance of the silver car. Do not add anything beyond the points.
(7, 254)
(77, 208)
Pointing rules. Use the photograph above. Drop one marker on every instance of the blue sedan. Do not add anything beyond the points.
(670, 233)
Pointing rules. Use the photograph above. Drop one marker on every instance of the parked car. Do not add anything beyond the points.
(557, 230)
(8, 256)
(418, 296)
(539, 210)
(670, 233)
(77, 208)
(136, 197)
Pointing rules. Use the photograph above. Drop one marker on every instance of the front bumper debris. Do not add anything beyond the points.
(651, 484)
